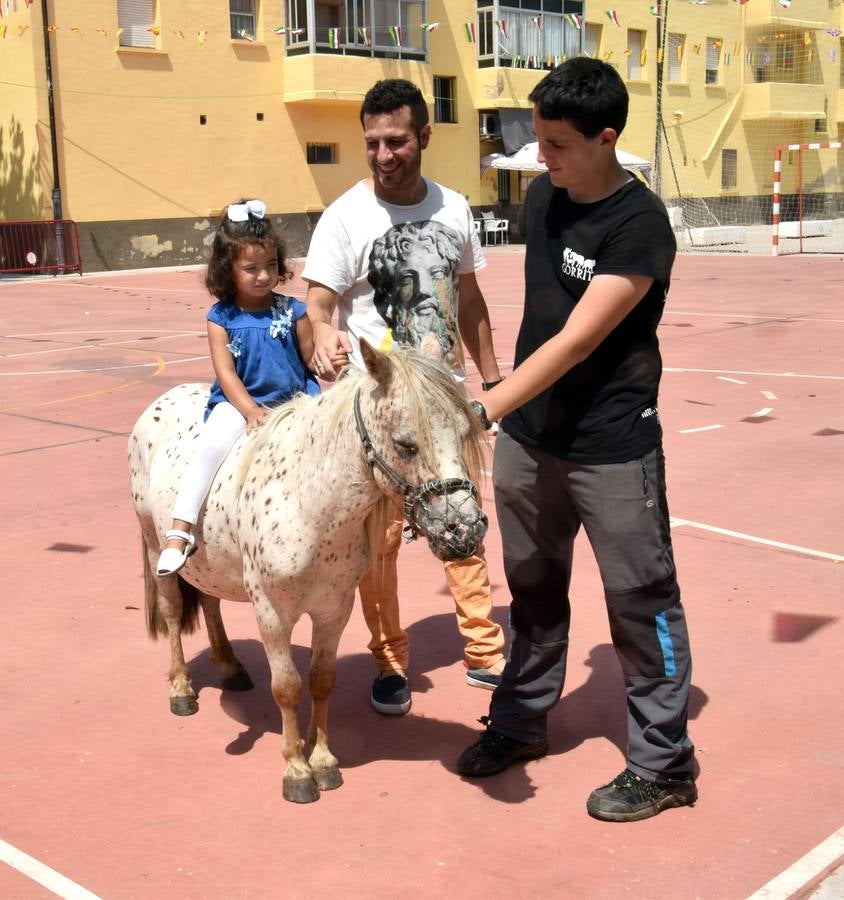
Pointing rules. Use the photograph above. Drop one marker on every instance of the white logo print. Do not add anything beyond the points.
(576, 265)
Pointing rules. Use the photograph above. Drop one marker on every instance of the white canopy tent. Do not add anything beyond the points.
(525, 160)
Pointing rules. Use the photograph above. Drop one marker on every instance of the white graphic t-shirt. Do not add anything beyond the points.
(397, 268)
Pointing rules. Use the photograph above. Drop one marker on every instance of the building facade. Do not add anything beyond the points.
(164, 113)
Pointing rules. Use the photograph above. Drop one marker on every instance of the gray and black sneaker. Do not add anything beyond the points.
(390, 694)
(482, 678)
(629, 798)
(493, 752)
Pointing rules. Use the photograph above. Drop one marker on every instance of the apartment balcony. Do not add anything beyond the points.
(804, 14)
(777, 100)
(318, 77)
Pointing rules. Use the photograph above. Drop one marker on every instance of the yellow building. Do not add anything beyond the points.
(163, 113)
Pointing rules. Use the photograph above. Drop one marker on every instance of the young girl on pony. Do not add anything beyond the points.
(258, 341)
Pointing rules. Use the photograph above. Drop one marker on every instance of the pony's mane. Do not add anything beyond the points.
(428, 384)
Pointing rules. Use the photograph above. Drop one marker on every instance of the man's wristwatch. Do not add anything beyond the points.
(481, 413)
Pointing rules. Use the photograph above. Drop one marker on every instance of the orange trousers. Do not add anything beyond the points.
(469, 584)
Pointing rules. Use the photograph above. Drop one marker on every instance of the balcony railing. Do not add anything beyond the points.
(528, 39)
(395, 29)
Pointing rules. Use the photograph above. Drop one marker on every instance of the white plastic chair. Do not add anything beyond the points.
(497, 231)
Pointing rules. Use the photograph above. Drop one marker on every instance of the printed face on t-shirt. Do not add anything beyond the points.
(412, 268)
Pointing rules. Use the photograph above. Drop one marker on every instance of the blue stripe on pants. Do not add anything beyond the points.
(667, 647)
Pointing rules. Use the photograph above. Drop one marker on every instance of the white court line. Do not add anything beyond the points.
(737, 315)
(150, 365)
(769, 395)
(765, 374)
(701, 428)
(821, 554)
(767, 410)
(734, 380)
(67, 348)
(810, 866)
(95, 331)
(44, 875)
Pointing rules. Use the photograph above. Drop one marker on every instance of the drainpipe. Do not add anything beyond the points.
(57, 192)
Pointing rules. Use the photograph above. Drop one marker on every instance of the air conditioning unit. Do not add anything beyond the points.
(490, 125)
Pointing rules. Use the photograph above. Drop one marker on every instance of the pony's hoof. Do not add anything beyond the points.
(183, 706)
(239, 681)
(328, 779)
(300, 791)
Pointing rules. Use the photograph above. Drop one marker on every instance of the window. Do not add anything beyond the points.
(713, 61)
(533, 34)
(321, 154)
(137, 19)
(242, 17)
(729, 169)
(592, 40)
(635, 54)
(444, 99)
(676, 51)
(503, 186)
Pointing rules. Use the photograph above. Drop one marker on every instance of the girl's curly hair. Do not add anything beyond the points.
(229, 240)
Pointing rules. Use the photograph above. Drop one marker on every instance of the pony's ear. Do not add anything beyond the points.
(430, 347)
(376, 363)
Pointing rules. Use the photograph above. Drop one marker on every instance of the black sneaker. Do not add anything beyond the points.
(390, 694)
(493, 752)
(482, 678)
(629, 798)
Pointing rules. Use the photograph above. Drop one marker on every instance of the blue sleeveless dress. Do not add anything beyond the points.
(265, 351)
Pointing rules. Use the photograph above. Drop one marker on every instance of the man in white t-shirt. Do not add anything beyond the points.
(397, 254)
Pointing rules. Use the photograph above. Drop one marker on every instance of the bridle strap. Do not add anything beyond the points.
(412, 494)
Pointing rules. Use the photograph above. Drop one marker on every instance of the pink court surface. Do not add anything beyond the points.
(106, 794)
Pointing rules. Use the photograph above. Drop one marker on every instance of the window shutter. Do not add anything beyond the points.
(135, 17)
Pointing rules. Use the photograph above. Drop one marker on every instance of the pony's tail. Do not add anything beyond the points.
(190, 601)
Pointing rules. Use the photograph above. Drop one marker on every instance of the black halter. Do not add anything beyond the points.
(413, 494)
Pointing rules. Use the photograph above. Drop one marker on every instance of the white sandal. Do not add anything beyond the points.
(172, 559)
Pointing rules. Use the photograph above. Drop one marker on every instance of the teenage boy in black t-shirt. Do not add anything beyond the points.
(581, 444)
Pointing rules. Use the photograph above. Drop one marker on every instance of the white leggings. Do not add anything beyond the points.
(222, 428)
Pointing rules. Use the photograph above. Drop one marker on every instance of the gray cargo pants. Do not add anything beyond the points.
(541, 502)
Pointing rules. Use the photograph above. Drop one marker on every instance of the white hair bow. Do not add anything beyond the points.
(239, 212)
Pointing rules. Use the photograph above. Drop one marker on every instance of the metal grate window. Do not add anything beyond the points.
(445, 100)
(676, 52)
(321, 154)
(729, 169)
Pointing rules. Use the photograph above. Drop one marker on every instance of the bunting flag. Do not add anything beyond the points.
(612, 15)
(52, 28)
(831, 56)
(430, 26)
(741, 2)
(101, 31)
(643, 57)
(3, 32)
(117, 35)
(154, 30)
(76, 29)
(470, 32)
(656, 10)
(834, 32)
(364, 36)
(785, 3)
(201, 36)
(749, 59)
(575, 20)
(502, 27)
(698, 2)
(696, 48)
(737, 49)
(679, 52)
(395, 34)
(660, 56)
(280, 30)
(334, 38)
(807, 38)
(181, 34)
(537, 20)
(726, 59)
(810, 54)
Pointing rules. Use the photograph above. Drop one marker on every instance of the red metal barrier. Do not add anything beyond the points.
(48, 246)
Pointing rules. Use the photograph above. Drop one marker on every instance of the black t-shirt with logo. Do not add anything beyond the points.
(603, 410)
